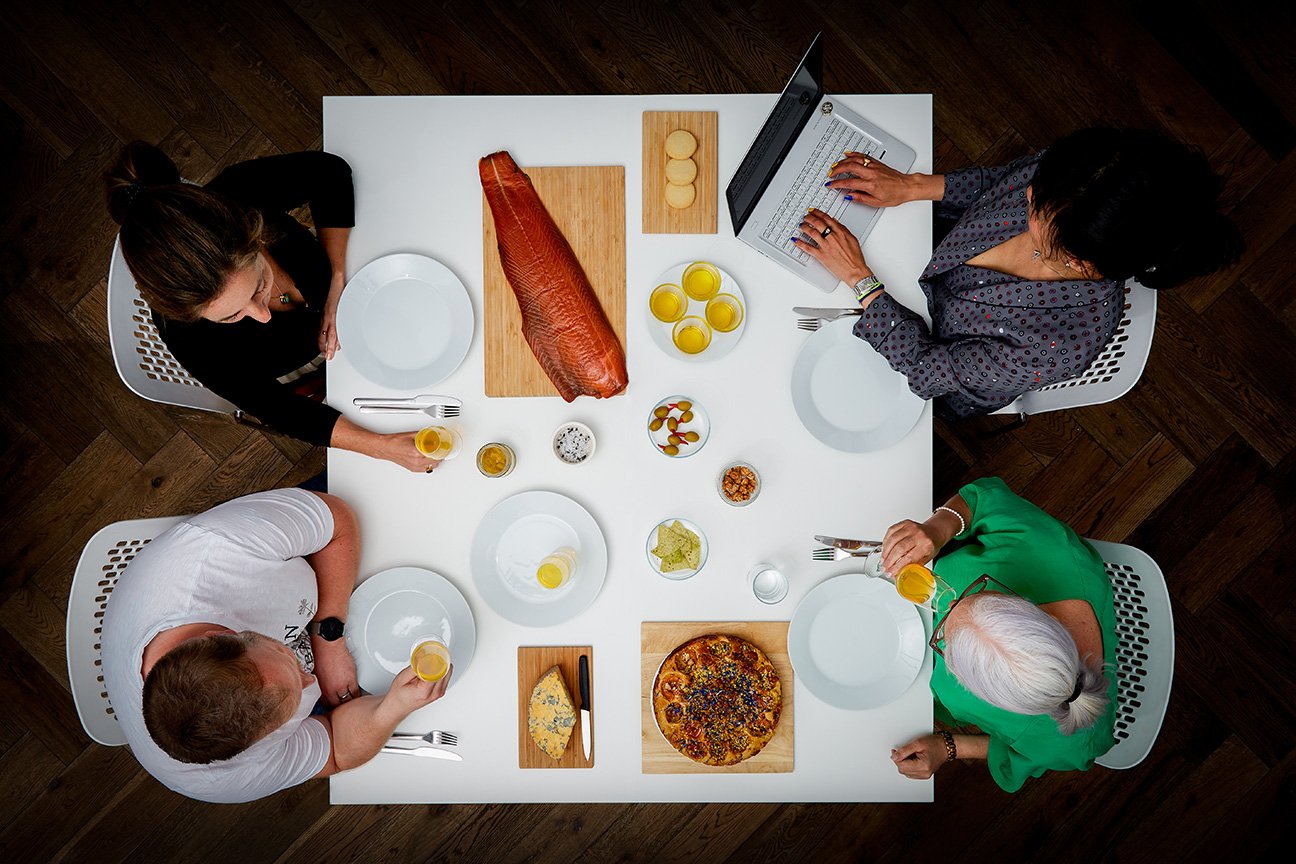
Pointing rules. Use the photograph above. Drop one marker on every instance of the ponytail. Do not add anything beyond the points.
(1208, 243)
(1088, 702)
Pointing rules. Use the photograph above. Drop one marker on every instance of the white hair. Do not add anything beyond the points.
(1014, 655)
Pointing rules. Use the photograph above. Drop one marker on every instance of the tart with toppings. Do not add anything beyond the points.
(717, 699)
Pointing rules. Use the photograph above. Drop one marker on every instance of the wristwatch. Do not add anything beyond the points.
(328, 629)
(867, 286)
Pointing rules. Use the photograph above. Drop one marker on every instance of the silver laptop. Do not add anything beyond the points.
(783, 173)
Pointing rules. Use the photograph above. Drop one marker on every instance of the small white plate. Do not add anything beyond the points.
(512, 539)
(721, 343)
(391, 609)
(855, 643)
(846, 394)
(405, 321)
(655, 563)
(701, 424)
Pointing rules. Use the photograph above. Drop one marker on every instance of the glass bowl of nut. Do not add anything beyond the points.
(738, 484)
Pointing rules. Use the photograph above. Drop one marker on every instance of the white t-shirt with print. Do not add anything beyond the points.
(238, 565)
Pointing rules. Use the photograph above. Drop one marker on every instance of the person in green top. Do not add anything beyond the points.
(1022, 637)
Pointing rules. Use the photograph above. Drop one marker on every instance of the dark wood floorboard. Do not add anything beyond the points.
(1195, 465)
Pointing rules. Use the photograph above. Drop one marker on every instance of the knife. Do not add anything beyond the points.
(423, 400)
(426, 752)
(583, 682)
(849, 545)
(828, 314)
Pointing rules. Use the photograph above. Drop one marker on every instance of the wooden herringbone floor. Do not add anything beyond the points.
(1195, 465)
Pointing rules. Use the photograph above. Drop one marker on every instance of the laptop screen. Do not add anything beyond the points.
(785, 122)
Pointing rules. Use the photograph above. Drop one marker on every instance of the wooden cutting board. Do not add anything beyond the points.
(660, 638)
(534, 662)
(588, 205)
(700, 216)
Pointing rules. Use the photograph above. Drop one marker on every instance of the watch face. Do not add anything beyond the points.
(330, 629)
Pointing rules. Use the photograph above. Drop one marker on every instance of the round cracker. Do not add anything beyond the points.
(680, 197)
(681, 172)
(681, 144)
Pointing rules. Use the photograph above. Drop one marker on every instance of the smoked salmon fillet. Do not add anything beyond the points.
(562, 319)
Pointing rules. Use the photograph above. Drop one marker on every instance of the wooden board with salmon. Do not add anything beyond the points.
(562, 319)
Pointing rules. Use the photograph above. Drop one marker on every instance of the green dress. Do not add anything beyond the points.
(1044, 561)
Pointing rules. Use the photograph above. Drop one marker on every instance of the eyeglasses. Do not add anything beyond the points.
(937, 643)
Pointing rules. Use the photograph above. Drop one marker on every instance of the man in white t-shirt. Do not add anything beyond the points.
(223, 634)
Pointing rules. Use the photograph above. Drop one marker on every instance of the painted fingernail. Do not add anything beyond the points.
(795, 239)
(829, 183)
(834, 165)
(849, 197)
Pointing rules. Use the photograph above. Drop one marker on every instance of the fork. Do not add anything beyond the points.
(809, 324)
(827, 553)
(436, 737)
(438, 411)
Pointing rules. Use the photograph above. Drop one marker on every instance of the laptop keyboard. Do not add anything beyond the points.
(808, 190)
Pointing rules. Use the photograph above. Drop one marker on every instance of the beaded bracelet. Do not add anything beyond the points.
(957, 515)
(950, 750)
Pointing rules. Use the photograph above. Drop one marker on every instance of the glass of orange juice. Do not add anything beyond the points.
(691, 335)
(430, 658)
(555, 570)
(724, 312)
(438, 442)
(701, 280)
(668, 303)
(919, 585)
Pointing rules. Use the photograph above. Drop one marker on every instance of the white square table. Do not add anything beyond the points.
(417, 190)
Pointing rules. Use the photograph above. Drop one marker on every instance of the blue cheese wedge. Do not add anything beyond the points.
(551, 715)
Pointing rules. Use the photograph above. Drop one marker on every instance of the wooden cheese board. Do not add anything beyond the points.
(533, 662)
(587, 204)
(660, 638)
(700, 216)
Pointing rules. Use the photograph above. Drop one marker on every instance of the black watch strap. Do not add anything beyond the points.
(329, 629)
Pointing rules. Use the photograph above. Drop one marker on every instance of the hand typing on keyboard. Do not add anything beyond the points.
(834, 246)
(868, 181)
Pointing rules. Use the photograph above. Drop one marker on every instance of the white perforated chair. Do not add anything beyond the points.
(102, 561)
(1115, 371)
(1145, 655)
(143, 361)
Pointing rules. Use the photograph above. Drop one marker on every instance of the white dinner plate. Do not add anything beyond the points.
(391, 609)
(515, 536)
(405, 321)
(846, 394)
(721, 343)
(855, 643)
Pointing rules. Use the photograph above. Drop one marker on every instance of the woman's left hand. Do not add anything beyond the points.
(328, 340)
(921, 757)
(909, 542)
(833, 246)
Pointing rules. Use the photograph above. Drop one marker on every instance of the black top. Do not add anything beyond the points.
(241, 361)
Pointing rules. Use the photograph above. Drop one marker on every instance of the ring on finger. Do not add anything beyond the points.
(826, 231)
(868, 161)
(430, 469)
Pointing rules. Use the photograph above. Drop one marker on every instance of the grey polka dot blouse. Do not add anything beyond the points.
(993, 336)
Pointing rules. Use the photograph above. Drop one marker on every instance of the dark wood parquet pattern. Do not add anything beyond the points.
(1195, 465)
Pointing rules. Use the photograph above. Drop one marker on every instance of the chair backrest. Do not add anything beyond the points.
(1145, 655)
(103, 559)
(1113, 373)
(143, 361)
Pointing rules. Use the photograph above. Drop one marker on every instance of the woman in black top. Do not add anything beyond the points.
(242, 293)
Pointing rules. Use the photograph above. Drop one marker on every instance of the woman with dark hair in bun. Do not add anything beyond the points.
(244, 295)
(1027, 286)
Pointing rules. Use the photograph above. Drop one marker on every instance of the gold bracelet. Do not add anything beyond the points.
(950, 750)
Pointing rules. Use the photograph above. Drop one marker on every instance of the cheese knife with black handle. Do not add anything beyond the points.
(583, 682)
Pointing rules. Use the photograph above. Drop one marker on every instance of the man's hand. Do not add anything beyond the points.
(921, 757)
(335, 670)
(408, 692)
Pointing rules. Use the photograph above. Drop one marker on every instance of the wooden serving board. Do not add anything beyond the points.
(660, 638)
(588, 205)
(534, 662)
(700, 216)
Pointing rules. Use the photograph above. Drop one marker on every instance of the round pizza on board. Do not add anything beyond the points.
(717, 699)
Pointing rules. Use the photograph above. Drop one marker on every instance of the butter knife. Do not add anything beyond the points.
(583, 683)
(827, 314)
(849, 545)
(426, 752)
(423, 400)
